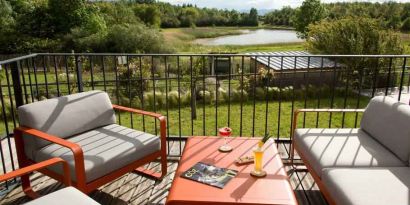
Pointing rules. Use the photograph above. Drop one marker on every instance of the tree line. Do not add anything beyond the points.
(102, 26)
(391, 15)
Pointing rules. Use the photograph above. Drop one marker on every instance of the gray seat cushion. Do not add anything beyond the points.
(105, 149)
(387, 121)
(368, 186)
(324, 148)
(66, 116)
(66, 196)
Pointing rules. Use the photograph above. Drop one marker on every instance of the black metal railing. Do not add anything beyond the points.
(255, 94)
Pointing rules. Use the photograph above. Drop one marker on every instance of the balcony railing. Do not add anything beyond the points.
(253, 94)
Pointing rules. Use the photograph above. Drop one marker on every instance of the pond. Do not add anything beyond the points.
(253, 37)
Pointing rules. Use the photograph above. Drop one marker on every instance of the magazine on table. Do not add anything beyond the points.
(209, 174)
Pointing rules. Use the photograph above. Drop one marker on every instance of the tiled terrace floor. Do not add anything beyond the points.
(135, 189)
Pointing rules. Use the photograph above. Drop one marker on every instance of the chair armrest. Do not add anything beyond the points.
(39, 166)
(142, 112)
(75, 148)
(328, 110)
(160, 117)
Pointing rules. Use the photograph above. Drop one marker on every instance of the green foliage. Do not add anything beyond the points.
(406, 24)
(67, 14)
(149, 14)
(130, 82)
(264, 77)
(310, 12)
(282, 17)
(357, 36)
(132, 38)
(253, 17)
(173, 98)
(189, 15)
(352, 36)
(6, 11)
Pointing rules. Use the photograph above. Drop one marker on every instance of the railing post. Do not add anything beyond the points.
(79, 74)
(15, 75)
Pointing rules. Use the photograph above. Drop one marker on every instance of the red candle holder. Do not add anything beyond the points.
(225, 132)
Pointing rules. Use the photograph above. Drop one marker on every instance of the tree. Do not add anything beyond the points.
(189, 16)
(406, 24)
(253, 17)
(356, 36)
(149, 14)
(67, 14)
(6, 11)
(353, 35)
(135, 38)
(310, 12)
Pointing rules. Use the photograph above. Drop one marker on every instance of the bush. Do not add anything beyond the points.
(129, 79)
(406, 24)
(173, 98)
(205, 95)
(353, 36)
(133, 38)
(186, 98)
(260, 93)
(222, 95)
(158, 100)
(7, 108)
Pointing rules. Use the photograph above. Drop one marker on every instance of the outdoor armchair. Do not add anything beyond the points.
(69, 194)
(81, 129)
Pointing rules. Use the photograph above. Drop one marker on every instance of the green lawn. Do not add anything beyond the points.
(184, 122)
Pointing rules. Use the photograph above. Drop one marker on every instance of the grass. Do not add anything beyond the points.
(278, 117)
(406, 42)
(184, 126)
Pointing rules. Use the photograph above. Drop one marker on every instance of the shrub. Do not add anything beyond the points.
(129, 80)
(158, 100)
(260, 93)
(355, 36)
(131, 38)
(205, 95)
(222, 95)
(7, 108)
(238, 95)
(186, 98)
(173, 98)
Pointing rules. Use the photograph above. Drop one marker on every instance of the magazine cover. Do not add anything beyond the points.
(208, 174)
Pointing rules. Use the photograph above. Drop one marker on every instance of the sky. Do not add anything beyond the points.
(259, 4)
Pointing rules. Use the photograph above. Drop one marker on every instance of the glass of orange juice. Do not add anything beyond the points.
(258, 157)
(258, 161)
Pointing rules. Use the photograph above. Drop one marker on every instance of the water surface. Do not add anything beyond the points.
(252, 37)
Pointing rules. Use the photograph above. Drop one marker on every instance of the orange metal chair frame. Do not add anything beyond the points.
(315, 176)
(81, 184)
(25, 171)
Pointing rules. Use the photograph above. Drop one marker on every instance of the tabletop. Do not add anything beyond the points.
(243, 188)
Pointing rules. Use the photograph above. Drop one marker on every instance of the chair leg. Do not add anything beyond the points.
(164, 166)
(152, 173)
(28, 190)
(292, 153)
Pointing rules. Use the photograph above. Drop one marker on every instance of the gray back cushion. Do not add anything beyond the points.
(388, 121)
(67, 115)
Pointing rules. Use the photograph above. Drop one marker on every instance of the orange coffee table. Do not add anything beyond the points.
(243, 189)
